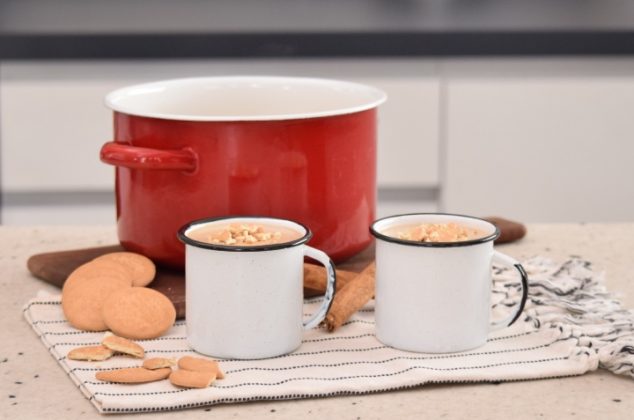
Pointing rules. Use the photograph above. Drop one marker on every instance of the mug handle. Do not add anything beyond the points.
(331, 282)
(504, 259)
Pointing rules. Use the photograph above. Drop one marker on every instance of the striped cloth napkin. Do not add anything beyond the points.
(571, 326)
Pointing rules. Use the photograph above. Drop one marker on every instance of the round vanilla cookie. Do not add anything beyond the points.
(142, 268)
(83, 296)
(100, 269)
(138, 313)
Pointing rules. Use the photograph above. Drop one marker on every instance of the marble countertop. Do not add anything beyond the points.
(34, 386)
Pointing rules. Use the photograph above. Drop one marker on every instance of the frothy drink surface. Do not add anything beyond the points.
(239, 234)
(434, 232)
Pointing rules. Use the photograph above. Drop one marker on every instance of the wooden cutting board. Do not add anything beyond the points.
(54, 268)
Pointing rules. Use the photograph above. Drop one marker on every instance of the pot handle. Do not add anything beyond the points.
(133, 157)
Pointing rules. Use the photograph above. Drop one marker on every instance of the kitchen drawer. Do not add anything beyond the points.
(540, 140)
(59, 214)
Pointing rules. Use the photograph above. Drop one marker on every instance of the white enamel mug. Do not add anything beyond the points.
(246, 302)
(435, 297)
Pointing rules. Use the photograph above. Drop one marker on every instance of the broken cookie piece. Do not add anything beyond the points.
(91, 353)
(192, 379)
(198, 364)
(158, 363)
(123, 345)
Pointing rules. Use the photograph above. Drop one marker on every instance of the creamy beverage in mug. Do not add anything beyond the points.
(434, 232)
(244, 234)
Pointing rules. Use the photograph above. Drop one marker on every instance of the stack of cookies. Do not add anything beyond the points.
(109, 293)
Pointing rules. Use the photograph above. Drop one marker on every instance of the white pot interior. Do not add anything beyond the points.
(244, 98)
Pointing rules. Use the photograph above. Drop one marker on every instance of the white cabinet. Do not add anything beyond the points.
(545, 140)
(54, 120)
(540, 140)
(53, 123)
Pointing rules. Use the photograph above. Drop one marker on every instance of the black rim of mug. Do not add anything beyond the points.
(182, 235)
(493, 236)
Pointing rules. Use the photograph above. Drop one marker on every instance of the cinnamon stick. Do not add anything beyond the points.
(351, 298)
(315, 279)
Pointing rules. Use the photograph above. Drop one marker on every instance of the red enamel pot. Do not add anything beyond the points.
(295, 148)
